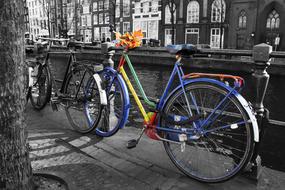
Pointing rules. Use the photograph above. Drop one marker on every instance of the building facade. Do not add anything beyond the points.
(38, 19)
(238, 24)
(147, 17)
(270, 25)
(196, 22)
(101, 13)
(254, 22)
(85, 20)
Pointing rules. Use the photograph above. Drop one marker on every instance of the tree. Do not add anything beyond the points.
(15, 166)
(112, 14)
(172, 8)
(117, 8)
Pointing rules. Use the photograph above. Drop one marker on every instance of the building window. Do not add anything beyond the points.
(95, 19)
(218, 11)
(273, 20)
(192, 36)
(105, 33)
(106, 18)
(96, 34)
(126, 8)
(88, 20)
(153, 29)
(149, 28)
(168, 36)
(145, 7)
(154, 6)
(118, 13)
(101, 5)
(101, 18)
(126, 27)
(168, 14)
(216, 38)
(86, 9)
(193, 10)
(87, 36)
(95, 6)
(137, 7)
(242, 19)
(106, 4)
(83, 21)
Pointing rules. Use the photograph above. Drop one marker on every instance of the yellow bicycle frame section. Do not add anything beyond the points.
(131, 88)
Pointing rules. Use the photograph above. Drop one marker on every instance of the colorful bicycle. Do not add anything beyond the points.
(208, 129)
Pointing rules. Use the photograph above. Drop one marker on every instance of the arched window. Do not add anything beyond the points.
(242, 19)
(168, 14)
(218, 11)
(193, 10)
(273, 20)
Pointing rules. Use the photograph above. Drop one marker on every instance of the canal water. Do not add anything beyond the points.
(154, 79)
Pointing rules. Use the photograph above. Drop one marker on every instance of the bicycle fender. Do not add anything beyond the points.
(127, 104)
(102, 92)
(127, 101)
(249, 110)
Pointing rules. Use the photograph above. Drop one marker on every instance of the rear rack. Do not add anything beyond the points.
(238, 81)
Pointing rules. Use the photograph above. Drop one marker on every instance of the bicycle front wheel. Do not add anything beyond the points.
(116, 112)
(82, 105)
(218, 149)
(40, 92)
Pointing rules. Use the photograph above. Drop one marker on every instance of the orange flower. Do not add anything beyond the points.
(130, 40)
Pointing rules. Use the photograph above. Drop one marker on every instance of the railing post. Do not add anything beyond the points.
(108, 54)
(261, 56)
(107, 62)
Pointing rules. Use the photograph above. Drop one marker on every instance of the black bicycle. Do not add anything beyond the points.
(81, 105)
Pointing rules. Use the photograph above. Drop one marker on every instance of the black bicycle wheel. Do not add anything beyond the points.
(220, 153)
(83, 107)
(40, 92)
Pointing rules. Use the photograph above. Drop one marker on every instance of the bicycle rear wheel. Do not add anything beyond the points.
(83, 103)
(40, 92)
(219, 153)
(116, 112)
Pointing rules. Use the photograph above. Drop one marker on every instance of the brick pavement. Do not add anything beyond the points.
(89, 162)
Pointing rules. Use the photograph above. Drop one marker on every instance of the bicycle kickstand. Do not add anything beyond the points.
(133, 142)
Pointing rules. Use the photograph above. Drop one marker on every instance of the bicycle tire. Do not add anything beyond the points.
(82, 100)
(40, 92)
(218, 155)
(115, 114)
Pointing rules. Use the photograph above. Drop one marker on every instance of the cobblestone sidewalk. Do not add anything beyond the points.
(88, 162)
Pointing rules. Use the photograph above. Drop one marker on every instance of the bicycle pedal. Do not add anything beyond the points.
(132, 143)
